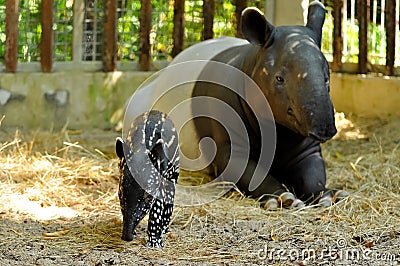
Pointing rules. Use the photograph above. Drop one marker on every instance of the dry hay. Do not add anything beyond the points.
(59, 205)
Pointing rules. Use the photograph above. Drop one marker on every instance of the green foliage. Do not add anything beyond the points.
(376, 41)
(327, 37)
(62, 28)
(377, 44)
(224, 19)
(2, 28)
(193, 22)
(30, 30)
(128, 28)
(162, 28)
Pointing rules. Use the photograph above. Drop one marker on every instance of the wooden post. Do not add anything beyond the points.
(390, 25)
(337, 35)
(11, 44)
(363, 20)
(179, 26)
(144, 34)
(110, 36)
(208, 17)
(46, 43)
(77, 34)
(240, 6)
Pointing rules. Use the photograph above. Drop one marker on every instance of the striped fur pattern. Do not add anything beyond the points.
(149, 170)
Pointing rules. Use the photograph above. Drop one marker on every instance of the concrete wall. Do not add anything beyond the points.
(39, 100)
(366, 95)
(82, 100)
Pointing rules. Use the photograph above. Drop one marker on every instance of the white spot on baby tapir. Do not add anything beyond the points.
(171, 141)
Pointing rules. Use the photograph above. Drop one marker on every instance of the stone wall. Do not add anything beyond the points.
(39, 100)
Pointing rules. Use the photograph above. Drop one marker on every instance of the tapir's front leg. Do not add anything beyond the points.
(135, 203)
(160, 216)
(132, 217)
(307, 180)
(155, 225)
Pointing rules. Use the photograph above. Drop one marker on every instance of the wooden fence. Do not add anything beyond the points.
(389, 21)
(340, 11)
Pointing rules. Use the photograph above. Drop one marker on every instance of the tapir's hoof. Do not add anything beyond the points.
(297, 203)
(128, 237)
(155, 243)
(339, 195)
(271, 204)
(331, 197)
(325, 201)
(286, 199)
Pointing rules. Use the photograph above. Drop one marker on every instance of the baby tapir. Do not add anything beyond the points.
(149, 170)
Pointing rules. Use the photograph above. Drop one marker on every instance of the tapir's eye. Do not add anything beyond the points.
(279, 79)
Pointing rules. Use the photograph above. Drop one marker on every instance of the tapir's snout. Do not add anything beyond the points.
(322, 126)
(323, 134)
(315, 121)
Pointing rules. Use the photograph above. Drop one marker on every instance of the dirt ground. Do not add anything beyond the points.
(59, 206)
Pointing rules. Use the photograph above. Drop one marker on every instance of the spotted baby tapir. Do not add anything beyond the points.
(149, 170)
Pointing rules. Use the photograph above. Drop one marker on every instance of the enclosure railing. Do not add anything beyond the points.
(365, 33)
(360, 36)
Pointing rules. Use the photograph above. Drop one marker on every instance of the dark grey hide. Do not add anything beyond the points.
(149, 169)
(287, 64)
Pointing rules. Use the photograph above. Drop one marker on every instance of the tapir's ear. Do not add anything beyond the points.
(255, 27)
(119, 147)
(316, 19)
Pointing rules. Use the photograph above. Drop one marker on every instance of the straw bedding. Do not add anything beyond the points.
(59, 206)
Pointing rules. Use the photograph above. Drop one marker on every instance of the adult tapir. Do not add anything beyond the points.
(287, 64)
(291, 73)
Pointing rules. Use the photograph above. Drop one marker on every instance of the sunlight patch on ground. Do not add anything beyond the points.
(346, 128)
(21, 204)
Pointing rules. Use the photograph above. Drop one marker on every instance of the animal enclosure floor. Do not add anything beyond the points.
(59, 206)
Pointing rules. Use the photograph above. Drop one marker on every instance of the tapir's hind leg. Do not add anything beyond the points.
(271, 191)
